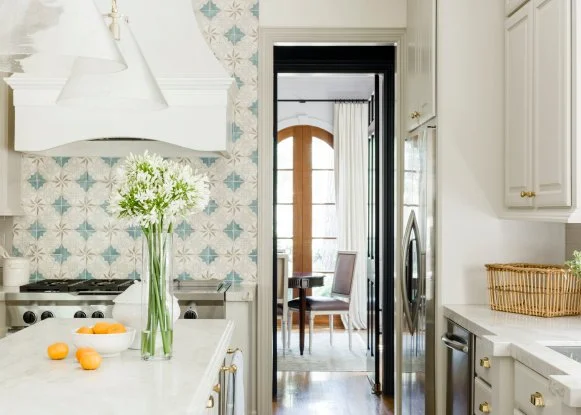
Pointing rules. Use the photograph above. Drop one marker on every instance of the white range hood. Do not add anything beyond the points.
(197, 88)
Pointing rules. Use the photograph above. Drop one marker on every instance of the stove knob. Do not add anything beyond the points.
(29, 317)
(190, 315)
(98, 314)
(80, 314)
(46, 314)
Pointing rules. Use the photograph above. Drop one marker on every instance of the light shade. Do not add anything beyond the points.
(46, 37)
(134, 88)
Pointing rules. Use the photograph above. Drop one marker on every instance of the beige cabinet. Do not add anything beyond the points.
(420, 94)
(9, 159)
(512, 5)
(538, 127)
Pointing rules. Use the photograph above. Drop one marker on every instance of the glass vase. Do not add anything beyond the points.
(157, 305)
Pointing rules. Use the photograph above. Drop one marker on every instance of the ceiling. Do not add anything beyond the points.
(325, 86)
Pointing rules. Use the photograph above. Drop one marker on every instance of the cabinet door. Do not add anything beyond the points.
(421, 62)
(552, 103)
(518, 107)
(512, 5)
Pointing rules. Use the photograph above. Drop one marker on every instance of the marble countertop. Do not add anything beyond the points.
(31, 383)
(525, 338)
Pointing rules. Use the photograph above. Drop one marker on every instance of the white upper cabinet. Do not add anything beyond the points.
(9, 159)
(552, 103)
(539, 179)
(518, 106)
(420, 93)
(512, 5)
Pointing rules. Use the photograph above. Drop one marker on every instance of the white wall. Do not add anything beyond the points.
(470, 162)
(319, 114)
(333, 13)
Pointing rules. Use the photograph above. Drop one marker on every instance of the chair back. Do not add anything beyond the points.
(282, 281)
(344, 272)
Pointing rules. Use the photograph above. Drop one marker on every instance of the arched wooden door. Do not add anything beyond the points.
(306, 213)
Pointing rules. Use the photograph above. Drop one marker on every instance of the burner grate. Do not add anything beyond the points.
(72, 285)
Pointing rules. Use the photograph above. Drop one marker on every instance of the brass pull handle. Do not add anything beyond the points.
(537, 399)
(414, 115)
(231, 368)
(232, 351)
(210, 403)
(484, 407)
(527, 194)
(217, 388)
(485, 362)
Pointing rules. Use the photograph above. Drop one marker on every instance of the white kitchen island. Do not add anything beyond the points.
(31, 383)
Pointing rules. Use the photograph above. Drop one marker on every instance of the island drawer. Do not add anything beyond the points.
(531, 393)
(482, 398)
(483, 360)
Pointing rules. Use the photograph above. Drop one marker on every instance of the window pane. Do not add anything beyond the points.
(284, 221)
(324, 255)
(285, 154)
(325, 290)
(324, 221)
(284, 186)
(323, 155)
(323, 186)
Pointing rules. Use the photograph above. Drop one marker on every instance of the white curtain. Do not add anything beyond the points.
(350, 143)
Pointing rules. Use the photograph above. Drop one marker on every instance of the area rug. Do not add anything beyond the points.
(324, 357)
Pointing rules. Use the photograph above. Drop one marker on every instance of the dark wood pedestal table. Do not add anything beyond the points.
(304, 281)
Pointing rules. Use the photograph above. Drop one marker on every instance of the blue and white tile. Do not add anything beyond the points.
(98, 168)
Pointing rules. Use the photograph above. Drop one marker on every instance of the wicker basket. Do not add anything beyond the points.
(534, 289)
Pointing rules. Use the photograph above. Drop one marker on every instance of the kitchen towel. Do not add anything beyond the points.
(236, 405)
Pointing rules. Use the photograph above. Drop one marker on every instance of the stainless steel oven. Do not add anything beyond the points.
(460, 371)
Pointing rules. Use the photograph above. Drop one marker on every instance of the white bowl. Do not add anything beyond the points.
(106, 344)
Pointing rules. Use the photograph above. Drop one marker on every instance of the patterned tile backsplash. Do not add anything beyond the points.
(67, 230)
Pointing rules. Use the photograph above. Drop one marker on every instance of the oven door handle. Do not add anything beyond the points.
(455, 343)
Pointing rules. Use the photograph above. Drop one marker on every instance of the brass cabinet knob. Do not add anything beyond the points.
(484, 407)
(210, 403)
(217, 388)
(537, 399)
(485, 362)
(532, 194)
(414, 115)
(523, 194)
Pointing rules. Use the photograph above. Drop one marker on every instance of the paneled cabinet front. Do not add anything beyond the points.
(421, 62)
(538, 126)
(9, 159)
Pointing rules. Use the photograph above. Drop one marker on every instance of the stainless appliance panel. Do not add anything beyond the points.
(417, 273)
(460, 370)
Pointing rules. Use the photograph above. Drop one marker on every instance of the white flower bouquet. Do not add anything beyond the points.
(153, 193)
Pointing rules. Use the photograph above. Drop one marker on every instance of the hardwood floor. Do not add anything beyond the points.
(328, 393)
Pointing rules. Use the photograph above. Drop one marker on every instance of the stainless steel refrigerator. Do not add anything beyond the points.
(417, 275)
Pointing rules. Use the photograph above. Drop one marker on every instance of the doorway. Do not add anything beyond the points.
(304, 206)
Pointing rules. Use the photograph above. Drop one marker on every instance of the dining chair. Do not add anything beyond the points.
(282, 297)
(337, 303)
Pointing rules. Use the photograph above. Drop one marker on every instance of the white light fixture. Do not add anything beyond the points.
(46, 37)
(132, 89)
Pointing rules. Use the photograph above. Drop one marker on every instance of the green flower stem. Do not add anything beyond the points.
(158, 316)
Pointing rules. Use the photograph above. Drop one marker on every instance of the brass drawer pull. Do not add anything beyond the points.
(485, 362)
(524, 194)
(484, 407)
(232, 351)
(537, 399)
(210, 403)
(414, 115)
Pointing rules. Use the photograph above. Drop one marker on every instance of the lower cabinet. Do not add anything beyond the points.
(243, 314)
